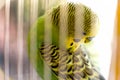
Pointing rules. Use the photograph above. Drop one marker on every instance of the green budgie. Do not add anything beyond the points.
(58, 43)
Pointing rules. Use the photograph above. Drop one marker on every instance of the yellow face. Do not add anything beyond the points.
(73, 44)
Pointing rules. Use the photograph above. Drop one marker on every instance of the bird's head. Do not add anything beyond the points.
(78, 22)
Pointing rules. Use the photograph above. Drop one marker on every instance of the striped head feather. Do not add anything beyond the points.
(75, 24)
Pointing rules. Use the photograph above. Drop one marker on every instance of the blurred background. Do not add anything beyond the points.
(117, 58)
(16, 17)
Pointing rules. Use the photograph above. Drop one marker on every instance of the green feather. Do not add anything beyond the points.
(36, 40)
(37, 32)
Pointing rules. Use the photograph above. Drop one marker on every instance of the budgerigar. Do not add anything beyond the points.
(66, 57)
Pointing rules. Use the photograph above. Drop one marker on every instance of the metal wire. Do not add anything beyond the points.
(6, 49)
(20, 39)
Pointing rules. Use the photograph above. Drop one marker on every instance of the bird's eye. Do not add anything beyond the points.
(88, 39)
(71, 44)
(84, 33)
(76, 40)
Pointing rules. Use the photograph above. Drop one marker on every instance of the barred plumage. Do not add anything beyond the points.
(67, 57)
(81, 26)
(89, 19)
(69, 66)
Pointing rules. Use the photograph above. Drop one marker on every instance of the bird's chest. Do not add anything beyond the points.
(66, 65)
